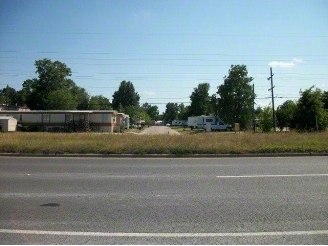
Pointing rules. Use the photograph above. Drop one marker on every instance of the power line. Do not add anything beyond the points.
(166, 34)
(157, 54)
(22, 72)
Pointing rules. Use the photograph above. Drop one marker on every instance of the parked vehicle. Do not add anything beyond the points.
(179, 123)
(208, 123)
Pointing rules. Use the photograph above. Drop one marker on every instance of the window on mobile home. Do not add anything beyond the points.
(68, 117)
(105, 118)
(45, 118)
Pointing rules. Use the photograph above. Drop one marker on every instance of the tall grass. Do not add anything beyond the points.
(201, 143)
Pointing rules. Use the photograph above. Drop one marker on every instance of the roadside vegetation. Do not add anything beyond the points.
(188, 142)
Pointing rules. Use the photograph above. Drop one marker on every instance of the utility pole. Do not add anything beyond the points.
(7, 97)
(272, 96)
(253, 114)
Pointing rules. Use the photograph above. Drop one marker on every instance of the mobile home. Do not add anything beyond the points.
(70, 120)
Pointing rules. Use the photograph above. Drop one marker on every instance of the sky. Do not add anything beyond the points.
(166, 48)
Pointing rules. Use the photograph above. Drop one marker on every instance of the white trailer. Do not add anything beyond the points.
(208, 123)
(179, 123)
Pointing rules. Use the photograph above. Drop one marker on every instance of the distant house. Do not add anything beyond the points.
(15, 108)
(159, 123)
(140, 123)
(8, 124)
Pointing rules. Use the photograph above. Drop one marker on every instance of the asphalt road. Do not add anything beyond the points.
(164, 201)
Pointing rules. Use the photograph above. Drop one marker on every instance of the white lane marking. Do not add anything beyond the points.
(122, 234)
(274, 176)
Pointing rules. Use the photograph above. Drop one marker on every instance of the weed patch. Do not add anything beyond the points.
(183, 144)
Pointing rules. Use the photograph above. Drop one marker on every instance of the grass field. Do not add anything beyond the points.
(183, 144)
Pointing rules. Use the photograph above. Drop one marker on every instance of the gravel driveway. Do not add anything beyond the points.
(156, 130)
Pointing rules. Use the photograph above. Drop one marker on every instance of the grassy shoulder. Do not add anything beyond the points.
(183, 144)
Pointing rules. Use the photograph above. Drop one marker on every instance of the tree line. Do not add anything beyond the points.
(53, 89)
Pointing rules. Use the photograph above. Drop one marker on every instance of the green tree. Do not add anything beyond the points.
(125, 96)
(61, 99)
(325, 99)
(136, 113)
(81, 96)
(257, 113)
(285, 114)
(236, 97)
(310, 111)
(266, 119)
(52, 78)
(151, 110)
(32, 94)
(8, 96)
(184, 112)
(21, 97)
(142, 115)
(99, 103)
(200, 100)
(171, 112)
(132, 111)
(52, 75)
(214, 105)
(2, 98)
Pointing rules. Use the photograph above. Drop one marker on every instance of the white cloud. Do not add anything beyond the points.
(282, 64)
(298, 60)
(257, 75)
(148, 93)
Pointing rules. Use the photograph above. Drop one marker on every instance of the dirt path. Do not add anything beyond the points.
(156, 130)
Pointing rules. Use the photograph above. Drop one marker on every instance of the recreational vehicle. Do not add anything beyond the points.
(208, 123)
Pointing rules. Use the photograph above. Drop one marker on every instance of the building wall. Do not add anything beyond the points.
(28, 118)
(104, 121)
(39, 118)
